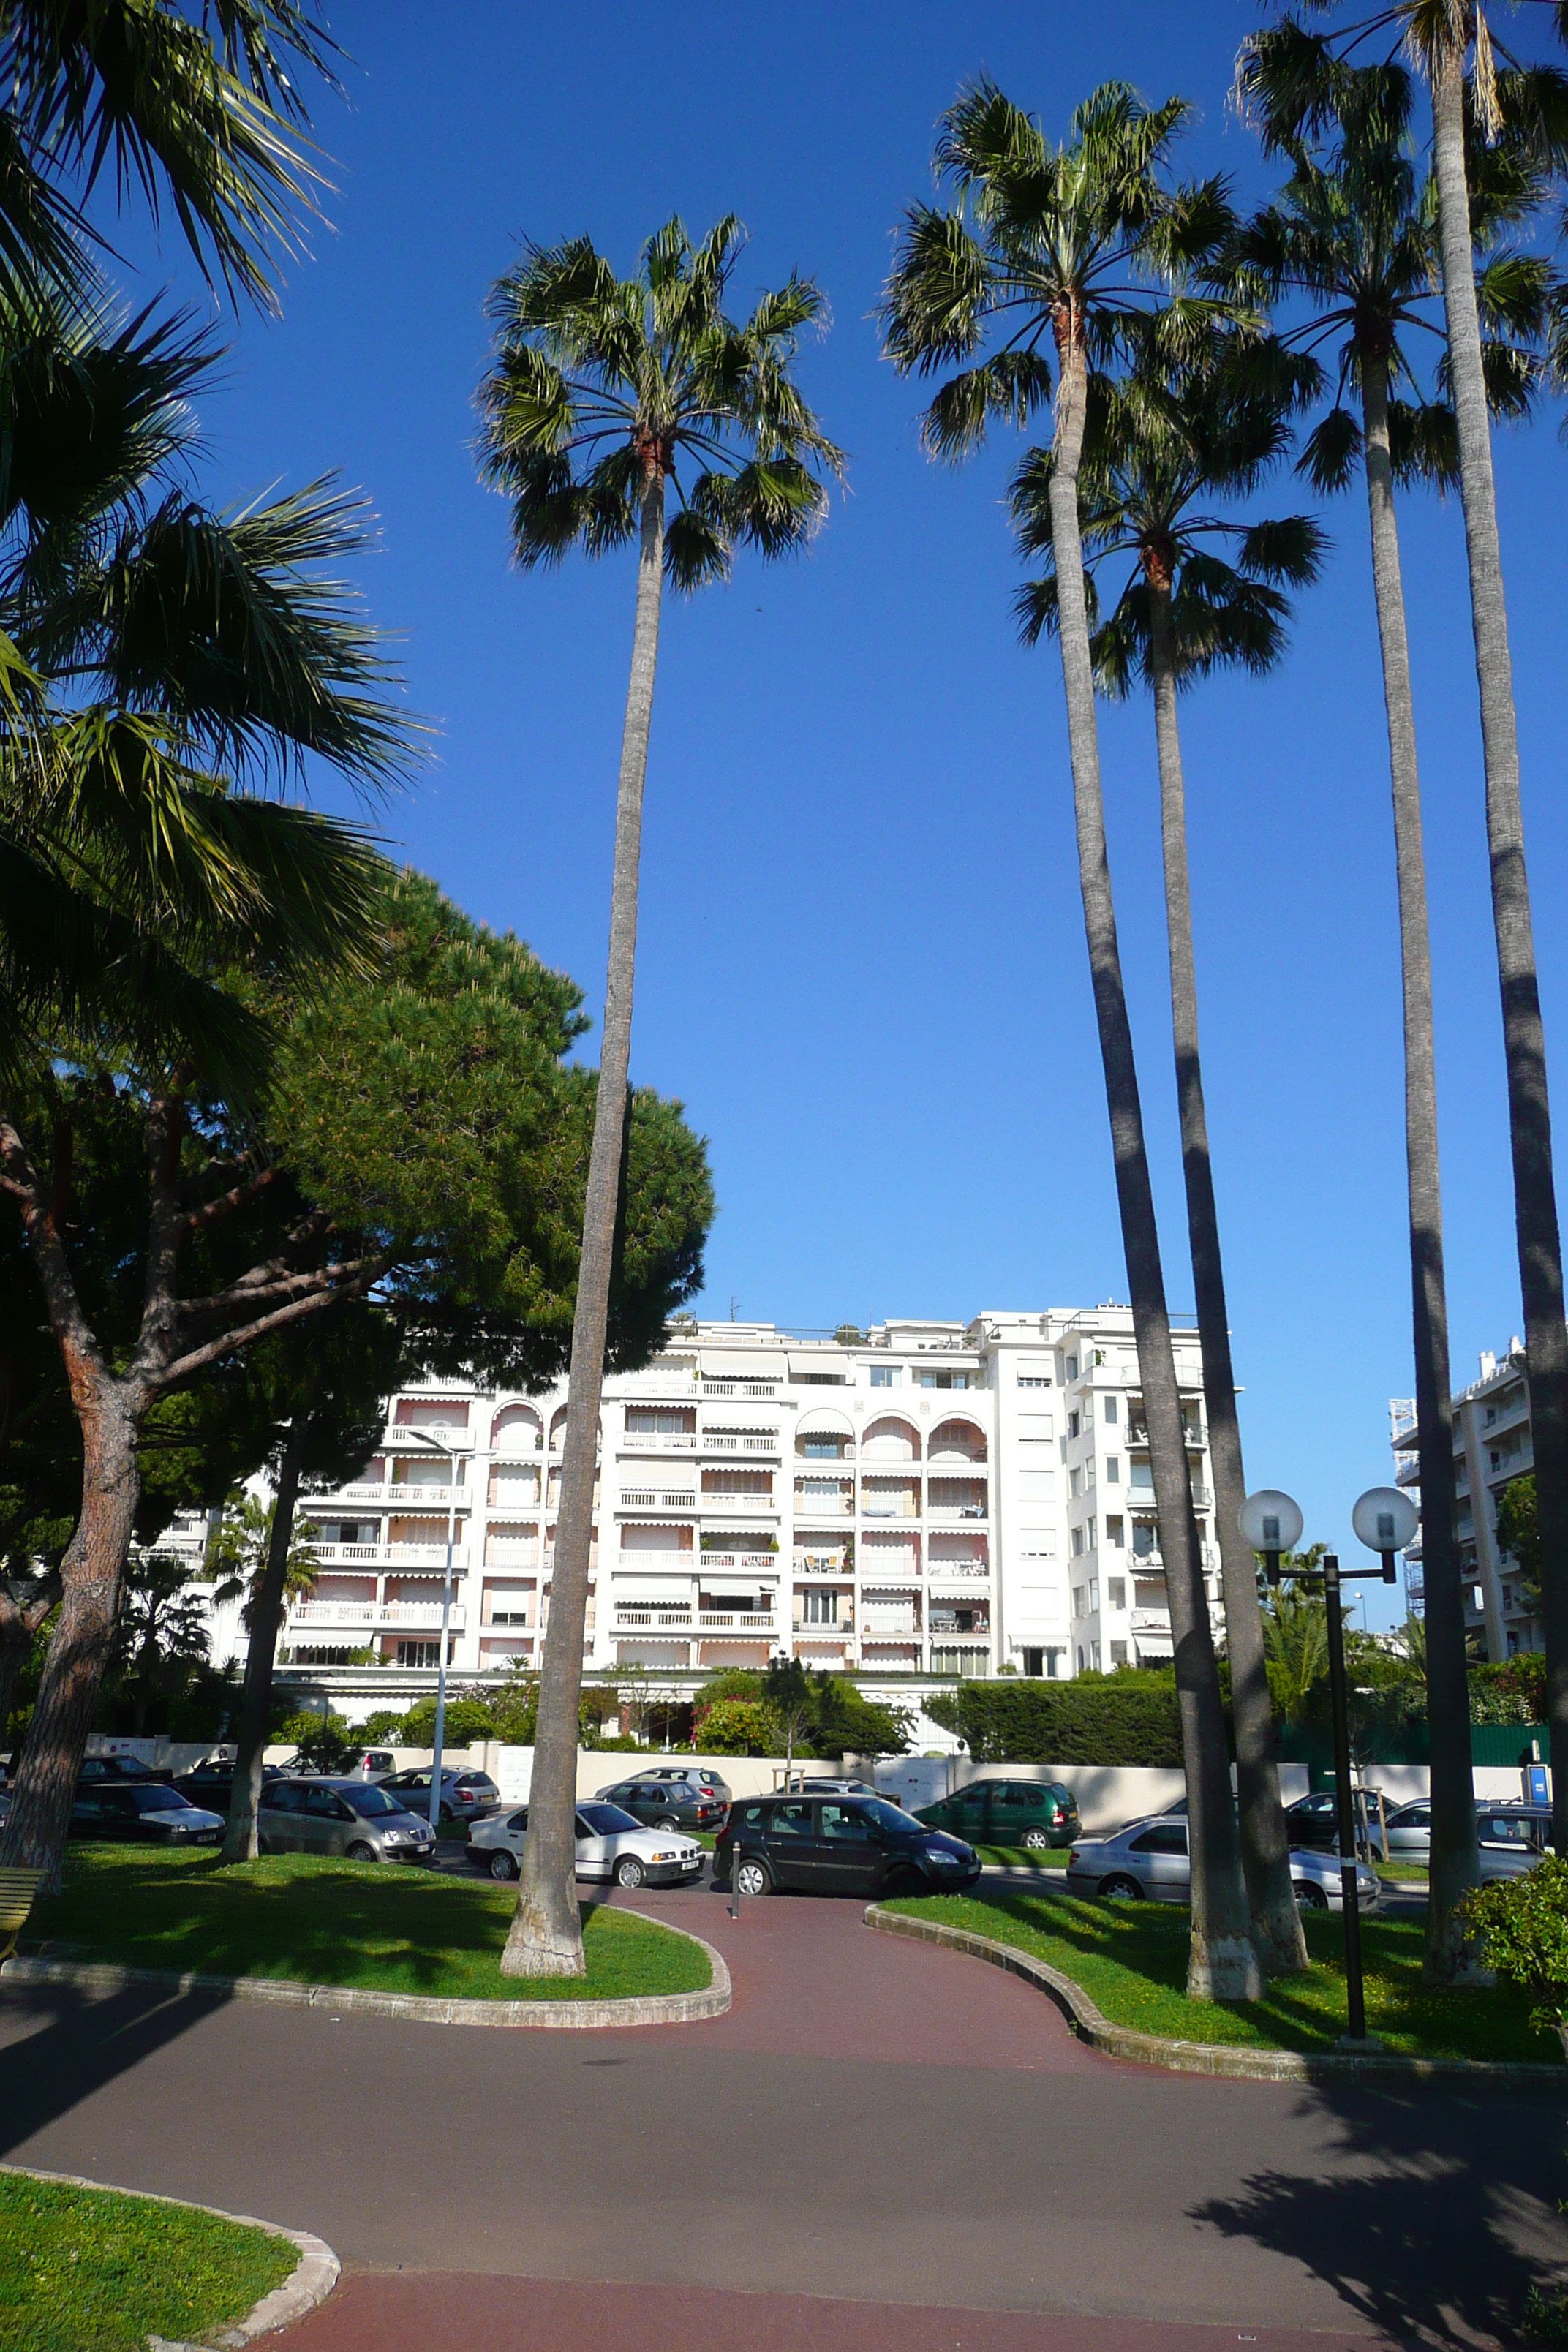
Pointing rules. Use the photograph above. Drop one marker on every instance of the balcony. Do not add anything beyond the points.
(724, 1505)
(764, 1560)
(1149, 1621)
(823, 1506)
(661, 1621)
(889, 1628)
(826, 1629)
(976, 1512)
(658, 1440)
(733, 1442)
(941, 1572)
(398, 1555)
(657, 1498)
(736, 1621)
(372, 1614)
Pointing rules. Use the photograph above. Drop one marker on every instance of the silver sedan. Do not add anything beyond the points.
(1147, 1863)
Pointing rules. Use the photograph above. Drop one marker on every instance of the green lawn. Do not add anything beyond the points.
(1131, 1960)
(1021, 1857)
(387, 1927)
(84, 2270)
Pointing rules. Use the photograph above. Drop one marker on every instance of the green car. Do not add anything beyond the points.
(1008, 1812)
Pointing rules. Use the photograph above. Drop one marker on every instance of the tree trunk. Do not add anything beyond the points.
(92, 1576)
(1454, 1864)
(1222, 1964)
(1524, 1043)
(239, 1843)
(546, 1935)
(1277, 1935)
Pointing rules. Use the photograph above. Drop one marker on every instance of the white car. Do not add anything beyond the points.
(610, 1845)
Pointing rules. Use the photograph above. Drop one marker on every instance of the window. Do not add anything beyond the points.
(948, 1379)
(1075, 1481)
(1113, 1469)
(1089, 1533)
(1115, 1592)
(1078, 1543)
(821, 1609)
(1111, 1410)
(887, 1376)
(791, 1820)
(1119, 1653)
(1072, 1368)
(1034, 1662)
(1072, 1425)
(664, 1420)
(821, 1449)
(1033, 1380)
(1115, 1535)
(1144, 1544)
(848, 1824)
(1163, 1837)
(419, 1654)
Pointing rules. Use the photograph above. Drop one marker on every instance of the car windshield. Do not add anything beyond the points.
(156, 1800)
(887, 1817)
(606, 1820)
(370, 1802)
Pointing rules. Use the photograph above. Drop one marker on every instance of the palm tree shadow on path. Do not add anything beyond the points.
(1439, 2232)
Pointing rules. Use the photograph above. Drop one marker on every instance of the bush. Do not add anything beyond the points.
(326, 1743)
(1523, 1928)
(1109, 1722)
(736, 1726)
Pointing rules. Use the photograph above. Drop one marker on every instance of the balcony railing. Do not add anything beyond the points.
(653, 1498)
(712, 1500)
(396, 1555)
(957, 1510)
(662, 1621)
(767, 1559)
(821, 1632)
(823, 1506)
(739, 1620)
(372, 1614)
(957, 1571)
(659, 1441)
(736, 1442)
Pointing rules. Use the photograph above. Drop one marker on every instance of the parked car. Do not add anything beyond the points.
(1147, 1862)
(837, 1846)
(465, 1795)
(1510, 1836)
(610, 1844)
(811, 1786)
(212, 1784)
(700, 1775)
(372, 1764)
(355, 1818)
(146, 1813)
(120, 1768)
(667, 1804)
(1033, 1814)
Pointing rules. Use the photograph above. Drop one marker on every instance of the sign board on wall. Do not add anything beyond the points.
(514, 1774)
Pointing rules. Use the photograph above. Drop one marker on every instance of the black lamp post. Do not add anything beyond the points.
(1385, 1520)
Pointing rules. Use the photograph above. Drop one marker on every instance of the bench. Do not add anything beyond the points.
(17, 1888)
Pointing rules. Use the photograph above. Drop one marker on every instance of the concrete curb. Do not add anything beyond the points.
(310, 2281)
(643, 2009)
(1092, 2026)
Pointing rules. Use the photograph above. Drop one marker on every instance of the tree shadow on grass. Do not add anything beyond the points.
(1445, 2221)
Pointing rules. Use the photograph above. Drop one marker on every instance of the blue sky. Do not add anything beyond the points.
(861, 961)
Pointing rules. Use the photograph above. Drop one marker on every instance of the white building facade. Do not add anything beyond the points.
(1492, 1444)
(926, 1499)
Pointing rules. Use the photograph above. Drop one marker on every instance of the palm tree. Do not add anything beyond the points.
(1352, 233)
(604, 392)
(1051, 245)
(199, 110)
(174, 657)
(1444, 35)
(1160, 444)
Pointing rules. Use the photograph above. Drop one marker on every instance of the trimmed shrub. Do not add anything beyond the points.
(1111, 1722)
(1522, 1925)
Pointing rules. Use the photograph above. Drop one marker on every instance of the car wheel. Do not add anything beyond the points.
(754, 1877)
(501, 1864)
(1035, 1840)
(444, 1813)
(1121, 1890)
(668, 1823)
(1310, 1897)
(360, 1852)
(629, 1871)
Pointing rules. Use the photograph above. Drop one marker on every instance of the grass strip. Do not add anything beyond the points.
(385, 1927)
(1131, 1960)
(87, 2270)
(1022, 1857)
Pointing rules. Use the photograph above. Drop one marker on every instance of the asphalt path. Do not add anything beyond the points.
(881, 2144)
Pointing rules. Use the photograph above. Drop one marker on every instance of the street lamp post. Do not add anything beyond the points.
(1385, 1520)
(422, 1437)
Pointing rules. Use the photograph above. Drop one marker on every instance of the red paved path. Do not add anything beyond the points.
(881, 2144)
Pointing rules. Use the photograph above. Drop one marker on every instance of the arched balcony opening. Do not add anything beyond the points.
(956, 1440)
(516, 1429)
(891, 1439)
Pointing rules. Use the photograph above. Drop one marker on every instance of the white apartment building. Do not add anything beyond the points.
(1492, 1444)
(930, 1499)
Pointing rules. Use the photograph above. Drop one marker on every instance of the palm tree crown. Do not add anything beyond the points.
(1161, 442)
(601, 382)
(1355, 233)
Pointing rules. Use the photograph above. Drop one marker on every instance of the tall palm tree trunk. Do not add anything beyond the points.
(1222, 1964)
(1454, 1864)
(1524, 1043)
(546, 1935)
(1277, 1934)
(239, 1843)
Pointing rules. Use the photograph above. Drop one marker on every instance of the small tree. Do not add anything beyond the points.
(1523, 1928)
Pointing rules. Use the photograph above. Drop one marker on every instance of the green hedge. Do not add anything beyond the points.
(1021, 1722)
